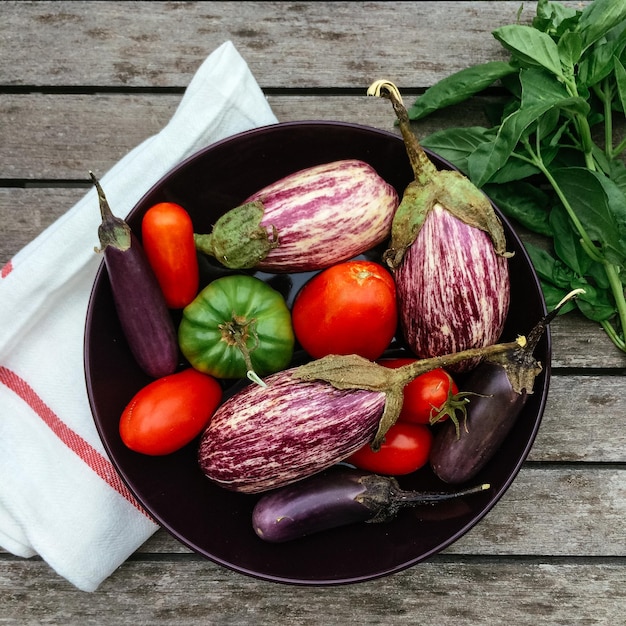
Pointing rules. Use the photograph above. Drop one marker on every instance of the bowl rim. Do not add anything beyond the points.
(495, 495)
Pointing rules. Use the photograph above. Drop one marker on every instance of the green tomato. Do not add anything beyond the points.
(237, 326)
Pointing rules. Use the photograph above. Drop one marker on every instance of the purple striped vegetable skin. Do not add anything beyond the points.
(453, 288)
(448, 251)
(265, 437)
(139, 301)
(307, 221)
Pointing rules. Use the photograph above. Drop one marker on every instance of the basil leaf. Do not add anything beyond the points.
(530, 46)
(570, 47)
(600, 206)
(513, 170)
(459, 87)
(598, 18)
(567, 242)
(540, 93)
(594, 304)
(620, 79)
(597, 62)
(523, 202)
(550, 269)
(555, 19)
(456, 144)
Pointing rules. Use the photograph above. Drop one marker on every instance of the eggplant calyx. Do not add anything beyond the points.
(113, 231)
(238, 240)
(384, 497)
(448, 188)
(520, 365)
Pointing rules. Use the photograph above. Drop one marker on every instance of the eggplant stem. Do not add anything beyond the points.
(419, 497)
(113, 231)
(423, 168)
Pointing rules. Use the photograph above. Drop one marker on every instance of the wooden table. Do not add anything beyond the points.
(84, 82)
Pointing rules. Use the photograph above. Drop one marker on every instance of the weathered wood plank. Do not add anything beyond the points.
(287, 44)
(473, 591)
(51, 136)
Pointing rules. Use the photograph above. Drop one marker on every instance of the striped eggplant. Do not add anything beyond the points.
(308, 418)
(448, 253)
(309, 220)
(139, 301)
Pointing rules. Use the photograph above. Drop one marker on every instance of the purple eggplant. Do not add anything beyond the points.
(337, 497)
(498, 391)
(139, 301)
(306, 221)
(448, 254)
(308, 418)
(459, 452)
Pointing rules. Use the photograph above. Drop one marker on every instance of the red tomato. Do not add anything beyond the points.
(429, 398)
(349, 308)
(167, 237)
(406, 449)
(169, 412)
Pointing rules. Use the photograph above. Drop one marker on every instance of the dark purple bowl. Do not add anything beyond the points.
(217, 523)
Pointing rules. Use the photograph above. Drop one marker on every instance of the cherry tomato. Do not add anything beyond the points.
(169, 412)
(348, 308)
(167, 238)
(406, 449)
(429, 398)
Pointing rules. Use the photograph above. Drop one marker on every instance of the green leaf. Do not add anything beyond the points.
(540, 93)
(600, 206)
(595, 304)
(523, 202)
(530, 46)
(597, 61)
(598, 18)
(550, 269)
(570, 48)
(458, 87)
(620, 79)
(567, 242)
(513, 170)
(555, 19)
(456, 144)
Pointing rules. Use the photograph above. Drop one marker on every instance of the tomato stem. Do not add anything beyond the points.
(237, 332)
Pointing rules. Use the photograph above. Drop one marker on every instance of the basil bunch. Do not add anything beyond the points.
(551, 161)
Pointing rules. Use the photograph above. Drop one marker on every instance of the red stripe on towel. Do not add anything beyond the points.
(96, 461)
(6, 269)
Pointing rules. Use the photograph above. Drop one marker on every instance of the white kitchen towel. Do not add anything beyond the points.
(60, 496)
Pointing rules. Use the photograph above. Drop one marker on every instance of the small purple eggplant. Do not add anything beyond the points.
(337, 497)
(498, 389)
(139, 301)
(306, 221)
(448, 254)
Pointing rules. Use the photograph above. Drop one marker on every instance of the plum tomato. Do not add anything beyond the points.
(431, 397)
(348, 308)
(406, 449)
(169, 412)
(167, 238)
